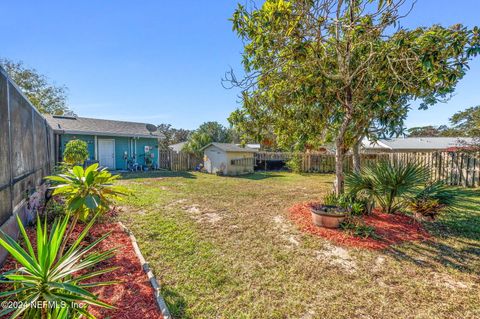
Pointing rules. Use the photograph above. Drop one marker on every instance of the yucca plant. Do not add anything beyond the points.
(59, 282)
(390, 184)
(85, 192)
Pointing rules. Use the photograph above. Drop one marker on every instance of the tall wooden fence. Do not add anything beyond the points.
(180, 161)
(455, 168)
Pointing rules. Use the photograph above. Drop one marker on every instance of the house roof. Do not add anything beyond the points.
(417, 143)
(227, 147)
(177, 147)
(89, 126)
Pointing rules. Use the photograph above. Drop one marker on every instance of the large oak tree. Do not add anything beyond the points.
(320, 71)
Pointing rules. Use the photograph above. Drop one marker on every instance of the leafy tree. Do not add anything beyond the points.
(172, 135)
(48, 98)
(207, 133)
(433, 131)
(322, 71)
(467, 121)
(75, 153)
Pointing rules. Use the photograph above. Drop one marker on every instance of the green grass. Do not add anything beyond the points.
(223, 247)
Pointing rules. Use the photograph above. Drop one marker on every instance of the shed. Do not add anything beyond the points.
(228, 159)
(112, 143)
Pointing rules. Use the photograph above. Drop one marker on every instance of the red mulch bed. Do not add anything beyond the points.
(133, 297)
(390, 228)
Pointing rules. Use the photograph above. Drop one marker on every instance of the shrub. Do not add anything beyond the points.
(432, 199)
(86, 192)
(354, 205)
(295, 163)
(391, 185)
(76, 152)
(47, 276)
(355, 226)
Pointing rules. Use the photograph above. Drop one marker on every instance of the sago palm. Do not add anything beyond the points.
(390, 184)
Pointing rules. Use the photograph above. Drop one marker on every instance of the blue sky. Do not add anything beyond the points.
(162, 61)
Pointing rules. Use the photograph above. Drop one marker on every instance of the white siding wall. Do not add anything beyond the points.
(215, 160)
(239, 169)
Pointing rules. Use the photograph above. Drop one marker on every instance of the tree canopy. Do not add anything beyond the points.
(207, 133)
(322, 71)
(172, 135)
(48, 98)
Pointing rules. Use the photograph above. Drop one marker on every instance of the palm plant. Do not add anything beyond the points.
(47, 278)
(85, 192)
(390, 184)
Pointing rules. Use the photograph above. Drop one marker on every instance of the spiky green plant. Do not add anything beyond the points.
(390, 184)
(46, 277)
(85, 192)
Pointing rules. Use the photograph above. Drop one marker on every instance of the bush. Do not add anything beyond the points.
(47, 276)
(391, 185)
(355, 226)
(295, 163)
(75, 153)
(354, 205)
(432, 199)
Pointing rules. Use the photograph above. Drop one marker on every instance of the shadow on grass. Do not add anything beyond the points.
(157, 174)
(257, 176)
(175, 303)
(456, 241)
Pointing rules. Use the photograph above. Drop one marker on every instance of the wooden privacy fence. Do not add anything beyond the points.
(455, 168)
(180, 161)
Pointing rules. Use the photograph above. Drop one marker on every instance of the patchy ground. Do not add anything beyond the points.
(225, 247)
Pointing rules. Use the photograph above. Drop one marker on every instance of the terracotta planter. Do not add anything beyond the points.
(327, 216)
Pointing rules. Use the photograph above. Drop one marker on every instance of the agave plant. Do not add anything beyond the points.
(57, 283)
(85, 192)
(390, 184)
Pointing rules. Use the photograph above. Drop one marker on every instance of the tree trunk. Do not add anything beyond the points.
(356, 157)
(339, 158)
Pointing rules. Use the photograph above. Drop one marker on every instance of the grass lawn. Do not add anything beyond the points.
(223, 247)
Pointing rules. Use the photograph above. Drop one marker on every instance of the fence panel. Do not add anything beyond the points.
(180, 161)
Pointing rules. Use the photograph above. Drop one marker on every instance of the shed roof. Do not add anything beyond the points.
(90, 126)
(417, 143)
(227, 147)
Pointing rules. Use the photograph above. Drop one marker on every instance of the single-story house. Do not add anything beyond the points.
(111, 143)
(414, 144)
(177, 148)
(228, 159)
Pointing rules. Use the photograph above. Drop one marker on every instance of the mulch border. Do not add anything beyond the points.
(162, 305)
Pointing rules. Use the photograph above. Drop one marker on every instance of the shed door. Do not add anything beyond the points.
(106, 153)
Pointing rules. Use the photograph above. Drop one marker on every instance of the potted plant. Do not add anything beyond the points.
(328, 216)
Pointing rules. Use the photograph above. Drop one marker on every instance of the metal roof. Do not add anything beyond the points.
(417, 143)
(227, 147)
(177, 147)
(89, 126)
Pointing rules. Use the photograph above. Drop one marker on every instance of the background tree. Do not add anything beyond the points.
(172, 135)
(433, 131)
(467, 121)
(207, 133)
(331, 70)
(45, 96)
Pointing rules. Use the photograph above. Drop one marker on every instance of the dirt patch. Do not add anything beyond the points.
(337, 256)
(390, 229)
(448, 282)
